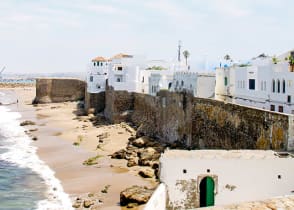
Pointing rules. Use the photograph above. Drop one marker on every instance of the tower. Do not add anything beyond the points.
(179, 50)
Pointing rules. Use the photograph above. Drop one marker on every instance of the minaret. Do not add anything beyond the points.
(179, 50)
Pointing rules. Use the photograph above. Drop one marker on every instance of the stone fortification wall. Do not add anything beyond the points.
(217, 124)
(59, 90)
(199, 123)
(95, 102)
(118, 105)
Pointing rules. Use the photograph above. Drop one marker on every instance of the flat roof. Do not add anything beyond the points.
(225, 154)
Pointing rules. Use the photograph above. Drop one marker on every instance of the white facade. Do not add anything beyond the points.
(237, 176)
(199, 84)
(97, 74)
(263, 84)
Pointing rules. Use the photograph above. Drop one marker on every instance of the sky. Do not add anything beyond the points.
(64, 35)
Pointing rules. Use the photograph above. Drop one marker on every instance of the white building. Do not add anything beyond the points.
(131, 73)
(136, 74)
(265, 83)
(97, 74)
(199, 84)
(200, 178)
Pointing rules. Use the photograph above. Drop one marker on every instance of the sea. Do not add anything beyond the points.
(26, 182)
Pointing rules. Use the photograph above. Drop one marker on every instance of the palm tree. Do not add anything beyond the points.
(186, 55)
(275, 60)
(291, 61)
(227, 57)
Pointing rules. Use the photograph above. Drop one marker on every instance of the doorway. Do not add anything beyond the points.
(207, 192)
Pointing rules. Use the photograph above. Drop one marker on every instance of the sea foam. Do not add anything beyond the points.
(23, 154)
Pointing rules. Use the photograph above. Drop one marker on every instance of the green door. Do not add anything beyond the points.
(207, 192)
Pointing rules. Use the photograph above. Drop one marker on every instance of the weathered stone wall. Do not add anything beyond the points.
(95, 101)
(118, 105)
(199, 123)
(216, 125)
(59, 90)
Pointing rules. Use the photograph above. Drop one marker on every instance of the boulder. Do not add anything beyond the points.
(132, 162)
(146, 156)
(143, 142)
(27, 122)
(135, 194)
(146, 173)
(88, 203)
(121, 154)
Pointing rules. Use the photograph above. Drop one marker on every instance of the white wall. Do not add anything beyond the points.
(262, 97)
(158, 199)
(254, 179)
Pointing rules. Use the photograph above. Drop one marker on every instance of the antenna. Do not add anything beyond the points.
(179, 50)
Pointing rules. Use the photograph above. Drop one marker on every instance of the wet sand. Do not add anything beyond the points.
(58, 128)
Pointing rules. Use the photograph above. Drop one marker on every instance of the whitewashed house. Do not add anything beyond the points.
(201, 178)
(136, 74)
(199, 84)
(97, 74)
(265, 83)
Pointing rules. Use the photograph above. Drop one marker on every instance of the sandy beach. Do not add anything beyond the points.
(65, 140)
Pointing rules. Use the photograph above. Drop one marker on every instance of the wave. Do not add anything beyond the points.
(19, 151)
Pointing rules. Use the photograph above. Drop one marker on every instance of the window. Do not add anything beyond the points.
(261, 85)
(98, 63)
(119, 68)
(182, 83)
(264, 85)
(251, 84)
(94, 64)
(281, 109)
(289, 99)
(243, 84)
(118, 79)
(274, 86)
(273, 108)
(143, 80)
(91, 78)
(284, 86)
(101, 64)
(279, 86)
(226, 81)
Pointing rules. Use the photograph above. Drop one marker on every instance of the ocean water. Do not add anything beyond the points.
(26, 182)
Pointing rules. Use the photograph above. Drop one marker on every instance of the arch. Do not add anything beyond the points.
(207, 186)
(284, 86)
(279, 86)
(274, 86)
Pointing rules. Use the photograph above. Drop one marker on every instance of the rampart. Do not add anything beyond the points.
(50, 90)
(200, 123)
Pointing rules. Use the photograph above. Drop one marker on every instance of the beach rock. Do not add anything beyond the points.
(139, 142)
(132, 138)
(27, 122)
(132, 205)
(132, 162)
(146, 173)
(88, 203)
(77, 204)
(135, 194)
(121, 154)
(146, 156)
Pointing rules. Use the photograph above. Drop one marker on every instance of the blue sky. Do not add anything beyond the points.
(63, 36)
